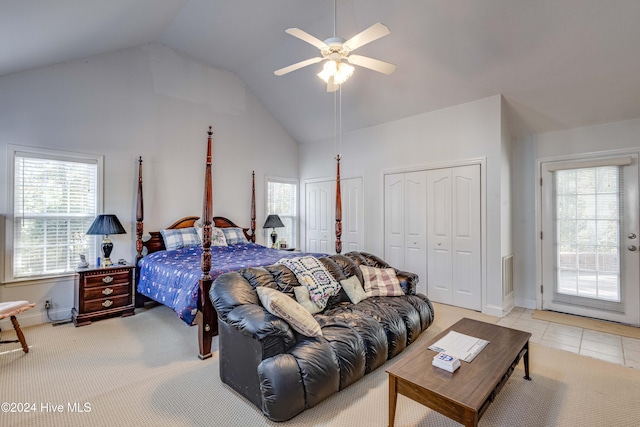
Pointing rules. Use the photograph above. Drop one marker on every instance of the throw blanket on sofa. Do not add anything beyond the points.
(311, 273)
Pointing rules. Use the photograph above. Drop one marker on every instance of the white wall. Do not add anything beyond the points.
(157, 103)
(592, 139)
(468, 131)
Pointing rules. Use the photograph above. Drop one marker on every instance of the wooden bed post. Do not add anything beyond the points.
(139, 213)
(338, 208)
(207, 320)
(139, 299)
(253, 207)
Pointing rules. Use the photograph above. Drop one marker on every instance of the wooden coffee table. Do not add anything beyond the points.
(465, 394)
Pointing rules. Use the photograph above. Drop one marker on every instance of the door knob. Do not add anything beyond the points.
(632, 248)
(632, 235)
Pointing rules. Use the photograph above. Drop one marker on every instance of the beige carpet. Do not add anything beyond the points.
(142, 371)
(587, 323)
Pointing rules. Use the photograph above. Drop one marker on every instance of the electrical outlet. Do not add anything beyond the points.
(47, 304)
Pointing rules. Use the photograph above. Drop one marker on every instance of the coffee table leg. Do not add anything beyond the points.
(393, 398)
(526, 362)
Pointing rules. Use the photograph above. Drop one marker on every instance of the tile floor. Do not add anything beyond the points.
(611, 348)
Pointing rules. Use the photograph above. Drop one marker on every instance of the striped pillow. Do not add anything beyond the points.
(381, 282)
(180, 238)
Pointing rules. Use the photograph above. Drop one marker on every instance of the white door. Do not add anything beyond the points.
(415, 227)
(352, 214)
(320, 233)
(465, 204)
(453, 237)
(394, 219)
(439, 240)
(590, 262)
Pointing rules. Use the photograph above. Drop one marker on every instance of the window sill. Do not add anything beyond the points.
(45, 280)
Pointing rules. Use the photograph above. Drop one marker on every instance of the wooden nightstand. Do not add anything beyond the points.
(103, 292)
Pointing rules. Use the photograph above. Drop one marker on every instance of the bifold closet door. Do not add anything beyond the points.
(405, 200)
(352, 214)
(453, 236)
(319, 217)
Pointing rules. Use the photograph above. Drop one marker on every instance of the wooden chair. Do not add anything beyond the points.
(12, 309)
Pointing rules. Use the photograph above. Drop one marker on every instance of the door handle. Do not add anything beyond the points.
(632, 248)
(632, 235)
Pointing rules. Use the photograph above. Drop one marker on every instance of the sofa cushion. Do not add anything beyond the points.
(381, 282)
(353, 288)
(286, 308)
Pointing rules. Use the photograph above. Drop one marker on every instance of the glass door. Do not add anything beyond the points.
(590, 255)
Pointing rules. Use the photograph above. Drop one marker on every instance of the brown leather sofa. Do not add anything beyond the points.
(283, 372)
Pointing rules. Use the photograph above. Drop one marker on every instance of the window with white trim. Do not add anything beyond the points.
(55, 197)
(282, 200)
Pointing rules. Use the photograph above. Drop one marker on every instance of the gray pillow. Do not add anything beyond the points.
(304, 299)
(286, 308)
(354, 289)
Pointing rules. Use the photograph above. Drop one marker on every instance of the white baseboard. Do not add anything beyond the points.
(28, 318)
(526, 303)
(493, 310)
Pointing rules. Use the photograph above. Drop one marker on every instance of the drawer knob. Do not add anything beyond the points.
(107, 279)
(107, 291)
(107, 303)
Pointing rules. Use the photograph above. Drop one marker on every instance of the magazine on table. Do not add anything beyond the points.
(462, 346)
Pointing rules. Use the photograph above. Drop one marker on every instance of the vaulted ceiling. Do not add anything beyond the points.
(559, 64)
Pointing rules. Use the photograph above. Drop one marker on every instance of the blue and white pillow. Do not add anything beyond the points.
(234, 236)
(180, 238)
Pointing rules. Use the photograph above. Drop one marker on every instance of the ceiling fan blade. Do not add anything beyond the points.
(372, 33)
(297, 65)
(304, 36)
(372, 64)
(331, 86)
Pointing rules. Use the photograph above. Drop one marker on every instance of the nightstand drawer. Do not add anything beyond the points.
(106, 291)
(106, 279)
(106, 303)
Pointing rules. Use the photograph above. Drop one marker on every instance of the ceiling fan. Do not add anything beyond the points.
(336, 50)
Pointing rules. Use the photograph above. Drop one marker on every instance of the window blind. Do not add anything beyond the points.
(55, 201)
(282, 199)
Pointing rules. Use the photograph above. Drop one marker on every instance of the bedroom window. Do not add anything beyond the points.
(282, 200)
(55, 197)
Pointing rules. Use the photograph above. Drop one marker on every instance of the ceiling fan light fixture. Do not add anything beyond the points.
(336, 69)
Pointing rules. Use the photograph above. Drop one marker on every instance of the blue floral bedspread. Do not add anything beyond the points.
(173, 277)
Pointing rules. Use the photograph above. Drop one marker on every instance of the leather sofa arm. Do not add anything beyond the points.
(408, 281)
(254, 321)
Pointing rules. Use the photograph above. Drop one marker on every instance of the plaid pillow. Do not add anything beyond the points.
(180, 238)
(234, 236)
(381, 282)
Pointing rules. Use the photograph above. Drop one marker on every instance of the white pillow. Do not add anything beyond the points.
(304, 299)
(354, 290)
(286, 308)
(217, 236)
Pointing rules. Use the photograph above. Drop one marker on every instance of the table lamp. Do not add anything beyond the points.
(106, 224)
(273, 221)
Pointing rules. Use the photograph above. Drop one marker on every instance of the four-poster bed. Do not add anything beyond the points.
(184, 292)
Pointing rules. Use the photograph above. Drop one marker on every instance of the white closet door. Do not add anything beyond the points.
(352, 215)
(453, 223)
(415, 226)
(465, 235)
(394, 219)
(319, 218)
(439, 258)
